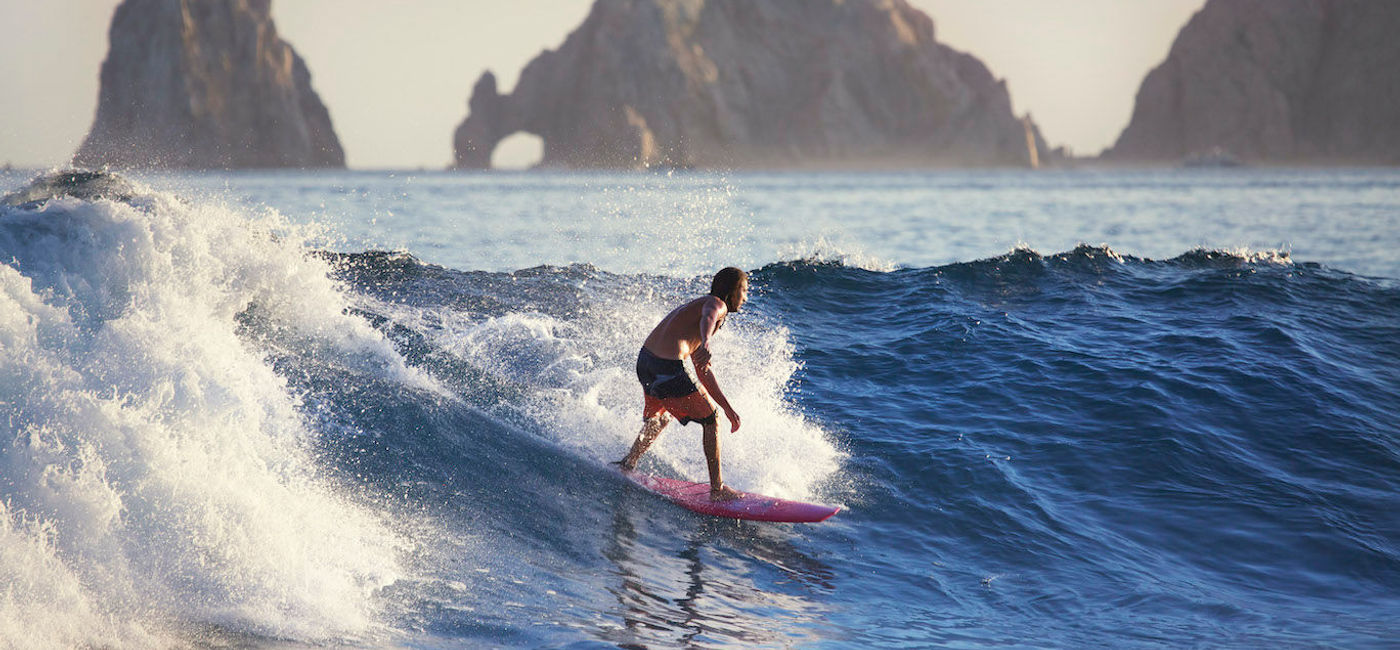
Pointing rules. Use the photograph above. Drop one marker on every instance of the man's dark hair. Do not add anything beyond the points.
(726, 286)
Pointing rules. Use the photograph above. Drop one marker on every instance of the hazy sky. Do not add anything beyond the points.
(396, 74)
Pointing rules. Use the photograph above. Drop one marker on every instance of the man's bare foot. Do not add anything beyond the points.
(723, 493)
(625, 466)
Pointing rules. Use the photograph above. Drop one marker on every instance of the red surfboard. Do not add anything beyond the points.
(755, 507)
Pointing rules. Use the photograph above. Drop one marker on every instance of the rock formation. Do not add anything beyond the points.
(205, 84)
(1274, 81)
(747, 83)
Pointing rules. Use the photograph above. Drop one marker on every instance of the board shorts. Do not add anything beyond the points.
(668, 388)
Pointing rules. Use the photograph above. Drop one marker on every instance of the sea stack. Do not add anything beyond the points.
(751, 83)
(1274, 82)
(205, 84)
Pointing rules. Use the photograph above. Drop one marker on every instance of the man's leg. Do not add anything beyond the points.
(650, 430)
(718, 490)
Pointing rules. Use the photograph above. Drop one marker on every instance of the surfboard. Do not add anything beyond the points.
(754, 507)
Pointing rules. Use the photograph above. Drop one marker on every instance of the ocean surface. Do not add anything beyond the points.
(1069, 409)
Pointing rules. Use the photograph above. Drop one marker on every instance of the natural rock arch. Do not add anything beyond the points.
(624, 142)
(519, 150)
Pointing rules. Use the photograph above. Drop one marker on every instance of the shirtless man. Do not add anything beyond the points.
(668, 389)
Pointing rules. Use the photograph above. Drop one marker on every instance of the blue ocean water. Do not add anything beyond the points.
(376, 409)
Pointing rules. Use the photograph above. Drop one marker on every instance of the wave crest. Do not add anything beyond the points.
(157, 464)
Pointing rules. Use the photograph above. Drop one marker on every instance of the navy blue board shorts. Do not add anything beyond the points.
(667, 387)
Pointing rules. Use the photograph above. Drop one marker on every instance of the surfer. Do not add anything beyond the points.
(669, 391)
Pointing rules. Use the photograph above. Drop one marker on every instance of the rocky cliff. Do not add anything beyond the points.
(205, 84)
(736, 83)
(1275, 81)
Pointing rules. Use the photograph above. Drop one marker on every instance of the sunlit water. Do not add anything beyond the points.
(686, 223)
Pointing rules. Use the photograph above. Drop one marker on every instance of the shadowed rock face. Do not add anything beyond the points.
(201, 84)
(1288, 81)
(736, 83)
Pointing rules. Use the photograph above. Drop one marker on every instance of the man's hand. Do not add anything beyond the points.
(733, 418)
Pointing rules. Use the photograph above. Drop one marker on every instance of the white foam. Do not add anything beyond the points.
(155, 465)
(823, 250)
(1277, 256)
(36, 585)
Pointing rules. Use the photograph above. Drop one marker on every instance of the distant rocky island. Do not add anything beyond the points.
(753, 83)
(1274, 82)
(205, 84)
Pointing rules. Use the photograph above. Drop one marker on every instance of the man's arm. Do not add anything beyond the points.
(707, 379)
(710, 316)
(711, 313)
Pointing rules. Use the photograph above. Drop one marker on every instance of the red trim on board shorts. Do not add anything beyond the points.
(695, 406)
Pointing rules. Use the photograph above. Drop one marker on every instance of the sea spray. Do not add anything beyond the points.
(156, 468)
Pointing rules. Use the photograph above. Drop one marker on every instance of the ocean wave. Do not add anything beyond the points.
(154, 460)
(216, 434)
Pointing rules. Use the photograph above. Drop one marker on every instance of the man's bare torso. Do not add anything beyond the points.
(678, 334)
